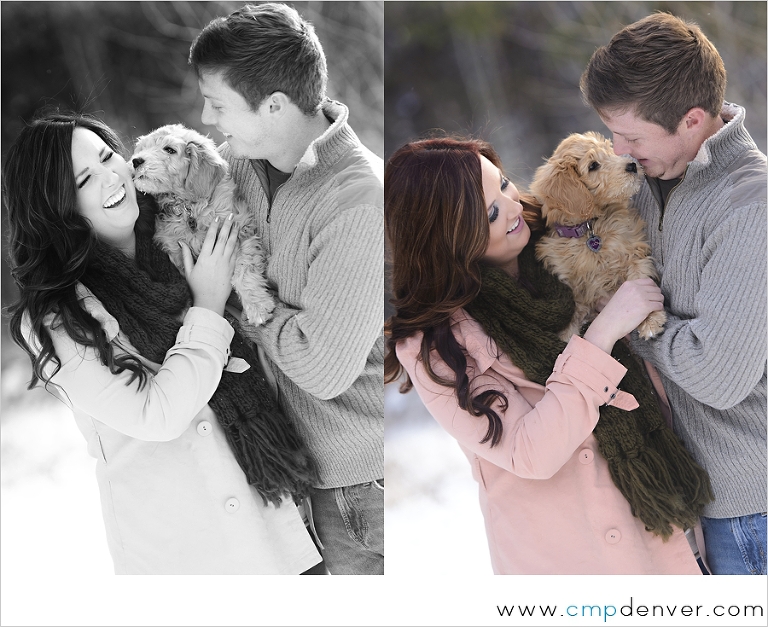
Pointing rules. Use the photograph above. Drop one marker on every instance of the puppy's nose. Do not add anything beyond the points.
(137, 162)
(631, 166)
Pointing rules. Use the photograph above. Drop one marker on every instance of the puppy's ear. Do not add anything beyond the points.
(206, 168)
(557, 185)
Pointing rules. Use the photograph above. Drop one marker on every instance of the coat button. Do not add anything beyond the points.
(232, 505)
(204, 427)
(613, 536)
(586, 456)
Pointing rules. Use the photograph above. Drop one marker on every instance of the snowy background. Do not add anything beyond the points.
(50, 514)
(433, 519)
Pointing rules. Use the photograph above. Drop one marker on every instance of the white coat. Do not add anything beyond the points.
(174, 498)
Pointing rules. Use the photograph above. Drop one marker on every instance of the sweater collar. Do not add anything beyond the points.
(721, 149)
(333, 143)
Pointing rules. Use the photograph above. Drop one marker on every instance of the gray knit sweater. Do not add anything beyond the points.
(324, 239)
(710, 248)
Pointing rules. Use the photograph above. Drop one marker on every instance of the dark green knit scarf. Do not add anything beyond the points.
(148, 299)
(649, 465)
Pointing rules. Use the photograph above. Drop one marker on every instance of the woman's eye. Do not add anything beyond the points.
(107, 156)
(169, 150)
(504, 183)
(83, 182)
(593, 166)
(493, 214)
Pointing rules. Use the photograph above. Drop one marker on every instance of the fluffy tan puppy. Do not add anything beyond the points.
(594, 240)
(190, 181)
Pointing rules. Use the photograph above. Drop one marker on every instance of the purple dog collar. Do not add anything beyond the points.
(572, 231)
(594, 243)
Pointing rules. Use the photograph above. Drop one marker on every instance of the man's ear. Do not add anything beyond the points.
(277, 103)
(694, 119)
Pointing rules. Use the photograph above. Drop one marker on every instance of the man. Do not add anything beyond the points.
(659, 87)
(318, 195)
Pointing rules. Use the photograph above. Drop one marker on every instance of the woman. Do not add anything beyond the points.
(195, 464)
(564, 458)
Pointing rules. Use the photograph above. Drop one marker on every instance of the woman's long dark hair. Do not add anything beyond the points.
(437, 230)
(51, 244)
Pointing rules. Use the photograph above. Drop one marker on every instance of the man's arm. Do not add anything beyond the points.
(323, 345)
(720, 355)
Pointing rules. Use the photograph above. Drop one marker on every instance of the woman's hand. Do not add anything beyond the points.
(626, 309)
(210, 279)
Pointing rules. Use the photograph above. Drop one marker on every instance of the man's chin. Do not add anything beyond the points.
(652, 171)
(239, 152)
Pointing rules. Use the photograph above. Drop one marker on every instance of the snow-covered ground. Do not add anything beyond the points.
(433, 520)
(51, 517)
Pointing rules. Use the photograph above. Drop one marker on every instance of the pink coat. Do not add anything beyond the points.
(549, 504)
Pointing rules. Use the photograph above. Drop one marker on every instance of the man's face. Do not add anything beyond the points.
(248, 132)
(662, 155)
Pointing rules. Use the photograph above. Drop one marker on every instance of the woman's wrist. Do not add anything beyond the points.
(211, 304)
(595, 335)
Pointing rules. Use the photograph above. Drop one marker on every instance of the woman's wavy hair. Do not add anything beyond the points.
(50, 244)
(437, 230)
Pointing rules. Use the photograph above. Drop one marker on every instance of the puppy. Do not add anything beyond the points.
(594, 240)
(191, 183)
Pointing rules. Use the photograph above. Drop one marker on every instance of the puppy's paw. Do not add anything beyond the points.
(258, 311)
(653, 325)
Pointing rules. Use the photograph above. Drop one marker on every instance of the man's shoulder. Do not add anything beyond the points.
(359, 178)
(748, 179)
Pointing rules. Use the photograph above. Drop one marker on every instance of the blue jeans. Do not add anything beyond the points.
(736, 546)
(350, 524)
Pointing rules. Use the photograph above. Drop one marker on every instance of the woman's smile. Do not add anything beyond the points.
(516, 227)
(115, 199)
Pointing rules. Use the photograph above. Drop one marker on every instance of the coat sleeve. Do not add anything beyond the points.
(163, 409)
(536, 440)
(323, 346)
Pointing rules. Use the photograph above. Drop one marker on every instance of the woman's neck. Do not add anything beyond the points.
(127, 247)
(512, 268)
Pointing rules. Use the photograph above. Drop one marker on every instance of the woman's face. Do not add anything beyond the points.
(508, 231)
(105, 193)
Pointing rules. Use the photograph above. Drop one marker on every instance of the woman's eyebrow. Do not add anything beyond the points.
(85, 169)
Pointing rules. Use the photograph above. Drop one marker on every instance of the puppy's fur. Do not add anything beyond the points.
(584, 180)
(191, 183)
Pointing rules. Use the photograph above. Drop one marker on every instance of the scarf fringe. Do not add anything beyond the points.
(650, 479)
(265, 442)
(274, 475)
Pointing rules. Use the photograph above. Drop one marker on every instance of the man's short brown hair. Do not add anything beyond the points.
(261, 49)
(660, 67)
